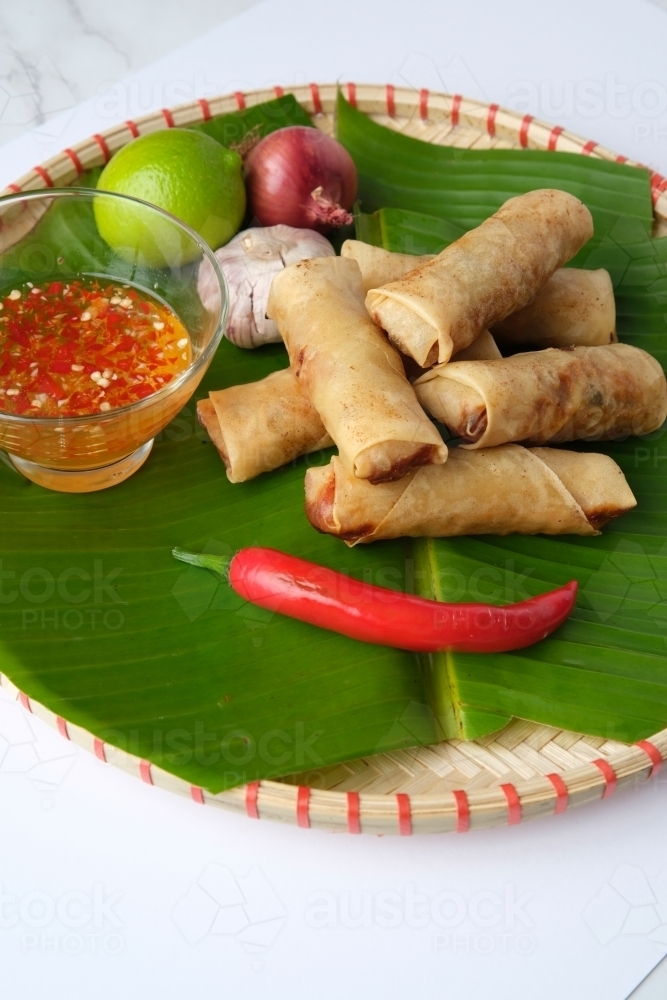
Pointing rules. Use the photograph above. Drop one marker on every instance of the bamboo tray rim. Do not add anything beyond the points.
(356, 812)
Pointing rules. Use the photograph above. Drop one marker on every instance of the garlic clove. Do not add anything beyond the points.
(250, 261)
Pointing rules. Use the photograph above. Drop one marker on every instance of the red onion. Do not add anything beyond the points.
(301, 177)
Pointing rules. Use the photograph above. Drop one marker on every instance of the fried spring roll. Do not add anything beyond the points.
(582, 393)
(574, 307)
(379, 267)
(483, 348)
(262, 425)
(353, 376)
(495, 491)
(483, 277)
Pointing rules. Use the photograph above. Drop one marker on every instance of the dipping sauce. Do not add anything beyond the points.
(82, 347)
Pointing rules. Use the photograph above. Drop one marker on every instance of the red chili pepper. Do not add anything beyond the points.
(320, 596)
(60, 367)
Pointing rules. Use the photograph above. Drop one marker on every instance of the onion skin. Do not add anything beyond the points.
(301, 177)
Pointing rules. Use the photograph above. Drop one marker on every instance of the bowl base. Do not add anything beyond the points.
(83, 480)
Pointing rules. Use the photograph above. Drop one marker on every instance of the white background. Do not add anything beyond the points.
(113, 888)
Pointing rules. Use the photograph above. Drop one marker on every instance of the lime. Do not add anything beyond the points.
(186, 173)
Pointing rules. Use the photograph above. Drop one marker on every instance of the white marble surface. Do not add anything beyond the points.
(72, 827)
(56, 53)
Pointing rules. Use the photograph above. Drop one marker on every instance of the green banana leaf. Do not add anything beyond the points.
(465, 186)
(605, 672)
(231, 129)
(392, 228)
(101, 625)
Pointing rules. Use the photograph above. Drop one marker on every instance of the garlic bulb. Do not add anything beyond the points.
(249, 261)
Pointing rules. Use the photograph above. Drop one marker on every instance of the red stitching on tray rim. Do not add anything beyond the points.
(353, 813)
(46, 177)
(589, 147)
(491, 119)
(102, 143)
(404, 814)
(609, 775)
(62, 726)
(658, 185)
(278, 91)
(523, 131)
(168, 117)
(145, 771)
(621, 159)
(352, 94)
(251, 793)
(25, 701)
(513, 804)
(423, 104)
(456, 107)
(653, 754)
(205, 108)
(391, 102)
(302, 805)
(197, 794)
(132, 126)
(462, 811)
(562, 794)
(78, 166)
(15, 188)
(317, 101)
(240, 99)
(98, 747)
(553, 137)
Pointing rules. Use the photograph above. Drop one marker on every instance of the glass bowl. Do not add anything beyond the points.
(50, 236)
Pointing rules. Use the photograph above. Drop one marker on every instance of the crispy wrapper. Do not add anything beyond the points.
(379, 267)
(575, 307)
(492, 271)
(261, 426)
(496, 491)
(582, 393)
(353, 376)
(483, 348)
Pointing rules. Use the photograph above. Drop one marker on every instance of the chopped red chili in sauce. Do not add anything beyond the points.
(82, 347)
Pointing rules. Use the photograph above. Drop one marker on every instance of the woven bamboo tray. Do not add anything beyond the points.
(524, 771)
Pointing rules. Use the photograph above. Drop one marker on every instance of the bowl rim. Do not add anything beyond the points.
(197, 365)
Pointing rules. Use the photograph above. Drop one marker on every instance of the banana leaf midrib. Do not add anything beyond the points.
(472, 694)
